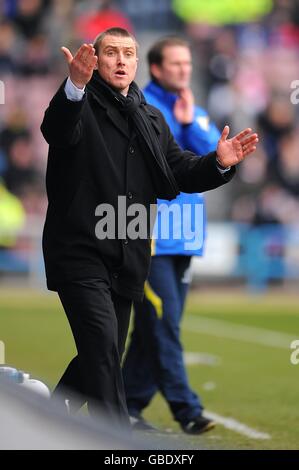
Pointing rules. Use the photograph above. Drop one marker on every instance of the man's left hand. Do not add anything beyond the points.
(232, 151)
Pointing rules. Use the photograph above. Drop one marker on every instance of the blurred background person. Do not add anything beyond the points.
(154, 359)
(107, 15)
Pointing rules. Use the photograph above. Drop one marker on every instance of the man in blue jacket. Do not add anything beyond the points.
(154, 360)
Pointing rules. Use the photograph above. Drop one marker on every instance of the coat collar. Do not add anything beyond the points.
(113, 114)
(116, 118)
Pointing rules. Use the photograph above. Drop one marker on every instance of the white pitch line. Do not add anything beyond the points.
(225, 329)
(195, 358)
(236, 426)
(2, 353)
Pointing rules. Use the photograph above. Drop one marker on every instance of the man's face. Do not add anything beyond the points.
(174, 73)
(117, 62)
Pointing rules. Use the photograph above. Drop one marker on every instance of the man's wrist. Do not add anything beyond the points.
(79, 86)
(72, 92)
(221, 168)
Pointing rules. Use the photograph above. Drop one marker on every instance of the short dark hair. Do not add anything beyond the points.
(120, 32)
(155, 54)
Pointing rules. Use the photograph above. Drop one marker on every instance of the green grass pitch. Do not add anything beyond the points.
(251, 381)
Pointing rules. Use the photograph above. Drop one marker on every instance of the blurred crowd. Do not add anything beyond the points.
(244, 71)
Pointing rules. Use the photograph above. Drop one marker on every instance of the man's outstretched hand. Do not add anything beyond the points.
(81, 65)
(232, 151)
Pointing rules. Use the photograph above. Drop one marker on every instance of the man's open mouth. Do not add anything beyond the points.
(120, 73)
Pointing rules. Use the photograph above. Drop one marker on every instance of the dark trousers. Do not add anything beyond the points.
(99, 320)
(154, 360)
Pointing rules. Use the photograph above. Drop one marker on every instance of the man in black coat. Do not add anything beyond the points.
(111, 154)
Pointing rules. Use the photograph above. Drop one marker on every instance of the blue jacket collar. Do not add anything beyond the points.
(167, 97)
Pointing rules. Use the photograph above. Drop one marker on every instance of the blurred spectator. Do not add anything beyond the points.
(21, 172)
(106, 16)
(16, 126)
(275, 205)
(147, 15)
(35, 59)
(8, 8)
(59, 28)
(287, 168)
(283, 23)
(29, 16)
(274, 123)
(8, 41)
(12, 217)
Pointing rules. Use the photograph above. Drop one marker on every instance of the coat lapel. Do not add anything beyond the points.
(153, 118)
(118, 120)
(114, 115)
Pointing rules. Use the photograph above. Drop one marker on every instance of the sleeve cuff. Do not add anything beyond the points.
(72, 92)
(221, 169)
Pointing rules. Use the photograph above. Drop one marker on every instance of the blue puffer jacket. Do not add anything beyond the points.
(184, 232)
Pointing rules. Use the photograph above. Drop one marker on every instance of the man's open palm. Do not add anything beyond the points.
(232, 151)
(81, 65)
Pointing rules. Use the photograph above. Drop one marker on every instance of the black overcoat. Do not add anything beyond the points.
(95, 156)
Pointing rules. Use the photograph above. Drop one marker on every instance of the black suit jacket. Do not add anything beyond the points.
(94, 157)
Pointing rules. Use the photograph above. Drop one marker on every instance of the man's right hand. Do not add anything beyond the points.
(82, 65)
(184, 107)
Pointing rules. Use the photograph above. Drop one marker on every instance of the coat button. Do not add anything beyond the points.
(115, 275)
(126, 242)
(130, 195)
(131, 150)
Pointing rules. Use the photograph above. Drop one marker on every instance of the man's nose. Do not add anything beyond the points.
(120, 58)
